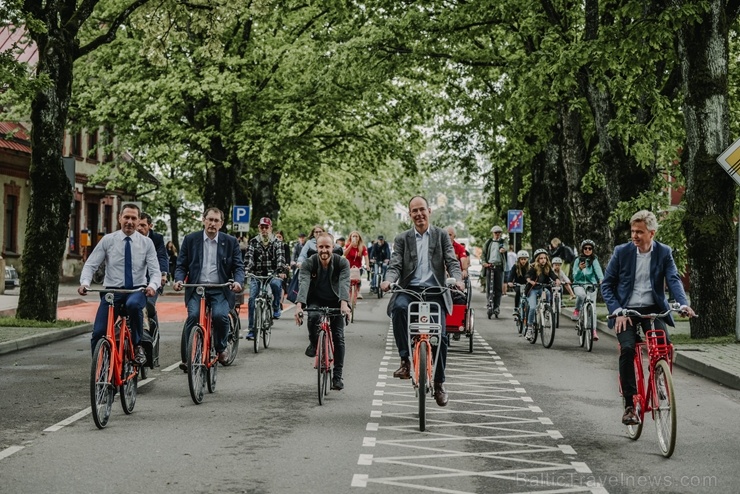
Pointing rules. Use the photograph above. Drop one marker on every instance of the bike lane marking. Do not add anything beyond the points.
(490, 423)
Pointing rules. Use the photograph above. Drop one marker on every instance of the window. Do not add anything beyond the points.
(74, 240)
(92, 145)
(11, 223)
(76, 143)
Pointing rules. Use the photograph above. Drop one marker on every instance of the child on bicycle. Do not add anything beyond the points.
(541, 272)
(557, 264)
(586, 269)
(518, 275)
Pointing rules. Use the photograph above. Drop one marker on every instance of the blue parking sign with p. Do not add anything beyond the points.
(241, 214)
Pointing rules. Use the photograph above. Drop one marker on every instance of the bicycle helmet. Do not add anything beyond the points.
(522, 253)
(557, 260)
(538, 252)
(588, 242)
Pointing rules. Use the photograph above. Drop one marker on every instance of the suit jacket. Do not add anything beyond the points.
(619, 279)
(441, 255)
(162, 257)
(307, 278)
(228, 259)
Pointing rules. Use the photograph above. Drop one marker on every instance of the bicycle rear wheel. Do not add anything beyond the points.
(196, 365)
(211, 367)
(634, 431)
(535, 331)
(664, 407)
(232, 342)
(259, 322)
(353, 301)
(266, 333)
(101, 387)
(548, 327)
(423, 384)
(557, 305)
(470, 326)
(130, 378)
(588, 325)
(321, 380)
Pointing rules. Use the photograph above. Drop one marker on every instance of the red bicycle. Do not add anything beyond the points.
(201, 353)
(324, 359)
(113, 364)
(655, 392)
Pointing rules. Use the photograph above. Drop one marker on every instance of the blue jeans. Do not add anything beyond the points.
(400, 329)
(534, 293)
(219, 304)
(131, 304)
(277, 295)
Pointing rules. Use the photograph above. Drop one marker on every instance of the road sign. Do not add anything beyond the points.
(241, 227)
(241, 214)
(730, 161)
(516, 221)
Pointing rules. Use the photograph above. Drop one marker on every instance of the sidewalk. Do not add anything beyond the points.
(720, 363)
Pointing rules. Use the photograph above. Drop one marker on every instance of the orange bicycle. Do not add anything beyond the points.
(655, 392)
(113, 364)
(201, 353)
(324, 348)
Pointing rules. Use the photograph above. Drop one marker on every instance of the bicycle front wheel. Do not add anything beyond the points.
(423, 384)
(664, 407)
(353, 301)
(101, 387)
(130, 379)
(321, 369)
(588, 325)
(196, 366)
(535, 331)
(548, 327)
(211, 367)
(232, 342)
(259, 323)
(558, 306)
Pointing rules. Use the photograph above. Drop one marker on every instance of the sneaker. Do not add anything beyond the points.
(456, 336)
(496, 311)
(139, 355)
(576, 314)
(529, 333)
(337, 383)
(277, 314)
(223, 357)
(250, 335)
(310, 351)
(359, 296)
(595, 335)
(630, 417)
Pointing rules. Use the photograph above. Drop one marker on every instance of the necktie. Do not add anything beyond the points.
(128, 271)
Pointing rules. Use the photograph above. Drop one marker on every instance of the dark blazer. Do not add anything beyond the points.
(162, 257)
(441, 255)
(619, 278)
(229, 260)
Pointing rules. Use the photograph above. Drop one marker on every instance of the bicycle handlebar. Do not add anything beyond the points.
(653, 315)
(116, 290)
(327, 311)
(430, 290)
(229, 283)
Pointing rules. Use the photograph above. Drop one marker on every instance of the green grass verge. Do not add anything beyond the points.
(684, 339)
(12, 322)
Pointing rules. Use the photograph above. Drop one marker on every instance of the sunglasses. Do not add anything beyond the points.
(588, 248)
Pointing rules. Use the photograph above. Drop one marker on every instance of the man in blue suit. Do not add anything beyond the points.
(209, 257)
(635, 279)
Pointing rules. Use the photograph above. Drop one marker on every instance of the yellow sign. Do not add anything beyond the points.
(730, 161)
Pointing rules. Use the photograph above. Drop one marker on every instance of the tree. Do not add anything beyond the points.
(54, 26)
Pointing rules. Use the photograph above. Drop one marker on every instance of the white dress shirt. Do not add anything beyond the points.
(209, 268)
(111, 249)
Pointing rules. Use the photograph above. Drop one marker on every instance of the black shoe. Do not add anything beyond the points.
(310, 351)
(456, 336)
(183, 367)
(630, 417)
(139, 355)
(337, 383)
(440, 395)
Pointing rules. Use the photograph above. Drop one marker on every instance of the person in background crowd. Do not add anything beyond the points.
(460, 251)
(297, 251)
(510, 263)
(494, 263)
(286, 252)
(172, 254)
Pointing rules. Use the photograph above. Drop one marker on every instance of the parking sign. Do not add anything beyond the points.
(241, 214)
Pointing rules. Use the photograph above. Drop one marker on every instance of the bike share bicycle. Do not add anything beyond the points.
(655, 392)
(377, 279)
(424, 334)
(544, 321)
(114, 365)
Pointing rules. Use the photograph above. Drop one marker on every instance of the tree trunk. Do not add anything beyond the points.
(51, 192)
(710, 193)
(548, 191)
(265, 185)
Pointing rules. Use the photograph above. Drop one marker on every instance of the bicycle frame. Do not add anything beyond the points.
(424, 328)
(324, 359)
(655, 348)
(118, 345)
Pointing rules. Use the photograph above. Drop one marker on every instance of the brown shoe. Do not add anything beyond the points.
(440, 395)
(630, 417)
(223, 357)
(403, 372)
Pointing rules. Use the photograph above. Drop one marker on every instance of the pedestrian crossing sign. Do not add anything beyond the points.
(730, 161)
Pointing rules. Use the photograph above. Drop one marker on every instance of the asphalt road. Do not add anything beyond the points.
(521, 418)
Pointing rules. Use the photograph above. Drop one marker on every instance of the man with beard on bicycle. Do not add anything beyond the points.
(635, 278)
(324, 282)
(265, 255)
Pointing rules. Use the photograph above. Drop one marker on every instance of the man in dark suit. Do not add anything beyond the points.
(145, 228)
(635, 279)
(422, 257)
(209, 257)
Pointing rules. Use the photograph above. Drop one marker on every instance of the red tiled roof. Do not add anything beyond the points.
(19, 140)
(25, 50)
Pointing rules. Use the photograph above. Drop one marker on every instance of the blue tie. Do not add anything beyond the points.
(128, 271)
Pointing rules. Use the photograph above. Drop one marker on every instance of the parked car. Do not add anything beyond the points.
(11, 278)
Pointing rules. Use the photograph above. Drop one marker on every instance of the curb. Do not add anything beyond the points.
(43, 338)
(681, 360)
(60, 303)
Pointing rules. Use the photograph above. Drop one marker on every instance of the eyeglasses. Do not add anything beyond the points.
(588, 247)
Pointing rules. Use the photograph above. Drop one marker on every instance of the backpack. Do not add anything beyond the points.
(568, 254)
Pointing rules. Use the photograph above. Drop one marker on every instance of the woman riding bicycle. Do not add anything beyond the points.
(586, 269)
(355, 252)
(518, 275)
(541, 272)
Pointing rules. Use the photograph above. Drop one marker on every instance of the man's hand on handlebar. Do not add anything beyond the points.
(82, 290)
(236, 287)
(298, 315)
(385, 286)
